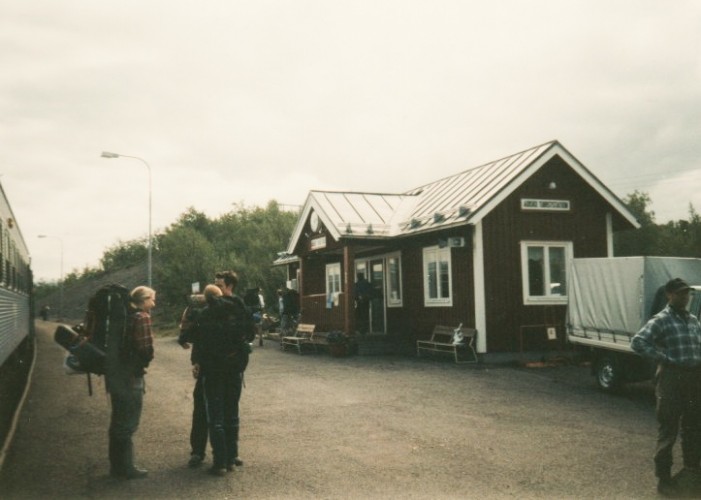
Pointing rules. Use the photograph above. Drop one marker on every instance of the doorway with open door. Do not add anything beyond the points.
(370, 296)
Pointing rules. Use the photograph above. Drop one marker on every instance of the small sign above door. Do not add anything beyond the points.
(317, 243)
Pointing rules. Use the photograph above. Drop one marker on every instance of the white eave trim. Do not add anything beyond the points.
(309, 205)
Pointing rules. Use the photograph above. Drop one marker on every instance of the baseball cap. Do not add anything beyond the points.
(676, 285)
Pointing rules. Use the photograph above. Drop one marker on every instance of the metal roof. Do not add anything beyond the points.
(371, 214)
(463, 198)
(459, 196)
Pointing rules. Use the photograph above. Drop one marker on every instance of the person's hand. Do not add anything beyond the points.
(195, 370)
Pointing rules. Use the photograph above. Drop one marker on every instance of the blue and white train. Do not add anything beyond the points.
(16, 315)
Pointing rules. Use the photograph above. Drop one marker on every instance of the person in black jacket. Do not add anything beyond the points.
(363, 292)
(224, 330)
(198, 430)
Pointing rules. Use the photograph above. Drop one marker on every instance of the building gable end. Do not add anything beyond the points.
(555, 150)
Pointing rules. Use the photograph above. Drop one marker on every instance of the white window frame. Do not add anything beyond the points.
(399, 300)
(333, 271)
(547, 299)
(437, 255)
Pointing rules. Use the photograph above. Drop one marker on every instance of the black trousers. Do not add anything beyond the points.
(362, 315)
(678, 394)
(199, 431)
(222, 391)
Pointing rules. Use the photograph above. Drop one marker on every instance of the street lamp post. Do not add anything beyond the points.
(106, 154)
(60, 289)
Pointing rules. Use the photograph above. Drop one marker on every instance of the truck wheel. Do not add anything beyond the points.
(608, 373)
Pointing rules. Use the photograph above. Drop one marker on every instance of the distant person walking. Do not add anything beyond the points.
(362, 292)
(261, 314)
(253, 298)
(45, 313)
(289, 308)
(261, 299)
(125, 367)
(672, 338)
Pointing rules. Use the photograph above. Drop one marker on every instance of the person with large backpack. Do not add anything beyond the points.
(129, 350)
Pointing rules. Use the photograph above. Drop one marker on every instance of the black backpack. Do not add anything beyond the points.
(189, 318)
(227, 328)
(243, 322)
(106, 319)
(252, 300)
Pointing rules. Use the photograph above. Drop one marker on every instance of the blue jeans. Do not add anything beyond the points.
(127, 399)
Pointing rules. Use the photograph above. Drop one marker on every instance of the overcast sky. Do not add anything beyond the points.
(243, 102)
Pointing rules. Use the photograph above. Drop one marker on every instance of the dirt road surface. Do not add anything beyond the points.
(370, 427)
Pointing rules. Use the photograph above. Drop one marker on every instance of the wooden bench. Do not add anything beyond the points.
(302, 336)
(442, 340)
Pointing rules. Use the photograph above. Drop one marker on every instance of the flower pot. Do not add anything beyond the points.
(338, 350)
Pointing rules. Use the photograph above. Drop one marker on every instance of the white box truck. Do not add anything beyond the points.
(610, 299)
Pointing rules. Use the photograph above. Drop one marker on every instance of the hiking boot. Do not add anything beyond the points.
(688, 481)
(216, 471)
(132, 473)
(667, 488)
(195, 461)
(122, 466)
(136, 473)
(237, 462)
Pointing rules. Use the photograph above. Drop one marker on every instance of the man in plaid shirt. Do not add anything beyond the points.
(672, 338)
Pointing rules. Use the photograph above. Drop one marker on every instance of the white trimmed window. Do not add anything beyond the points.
(438, 284)
(333, 279)
(394, 280)
(544, 271)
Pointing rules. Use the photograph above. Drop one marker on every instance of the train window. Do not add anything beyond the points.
(13, 262)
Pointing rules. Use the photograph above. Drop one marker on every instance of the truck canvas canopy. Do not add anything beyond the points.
(610, 299)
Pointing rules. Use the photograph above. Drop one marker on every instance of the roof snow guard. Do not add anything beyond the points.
(463, 198)
(438, 219)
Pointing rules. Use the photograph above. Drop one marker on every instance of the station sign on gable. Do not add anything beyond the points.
(545, 205)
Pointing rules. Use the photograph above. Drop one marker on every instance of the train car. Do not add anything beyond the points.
(16, 282)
